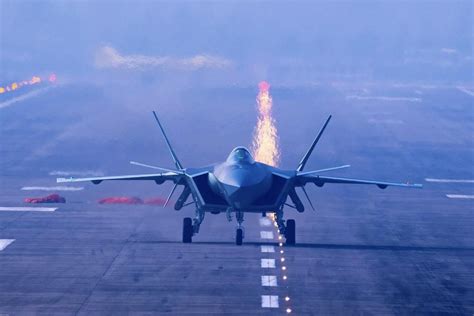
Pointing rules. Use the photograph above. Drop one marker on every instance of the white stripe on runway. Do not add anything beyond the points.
(449, 180)
(460, 196)
(269, 280)
(270, 301)
(5, 242)
(267, 249)
(27, 209)
(265, 221)
(57, 188)
(266, 234)
(267, 263)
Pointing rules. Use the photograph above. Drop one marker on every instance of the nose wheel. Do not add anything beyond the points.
(239, 233)
(187, 230)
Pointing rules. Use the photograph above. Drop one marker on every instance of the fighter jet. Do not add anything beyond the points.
(239, 185)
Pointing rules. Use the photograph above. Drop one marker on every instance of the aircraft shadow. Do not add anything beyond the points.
(323, 246)
(380, 247)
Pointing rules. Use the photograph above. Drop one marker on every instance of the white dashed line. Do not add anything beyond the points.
(270, 301)
(449, 180)
(56, 188)
(265, 221)
(266, 234)
(460, 196)
(383, 98)
(267, 263)
(27, 209)
(269, 280)
(5, 242)
(267, 249)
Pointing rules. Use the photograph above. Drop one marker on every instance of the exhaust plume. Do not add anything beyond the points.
(265, 147)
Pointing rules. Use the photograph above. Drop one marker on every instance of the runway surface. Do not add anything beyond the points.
(364, 251)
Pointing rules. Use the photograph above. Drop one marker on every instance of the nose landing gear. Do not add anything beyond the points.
(239, 233)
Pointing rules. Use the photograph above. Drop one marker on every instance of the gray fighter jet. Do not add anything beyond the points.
(239, 185)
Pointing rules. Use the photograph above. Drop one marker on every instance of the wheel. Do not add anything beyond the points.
(290, 232)
(187, 230)
(239, 235)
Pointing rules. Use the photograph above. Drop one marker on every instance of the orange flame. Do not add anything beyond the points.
(34, 80)
(265, 146)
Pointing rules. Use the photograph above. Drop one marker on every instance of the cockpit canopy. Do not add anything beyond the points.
(240, 155)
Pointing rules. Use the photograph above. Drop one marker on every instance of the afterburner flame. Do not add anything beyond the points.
(265, 146)
(34, 80)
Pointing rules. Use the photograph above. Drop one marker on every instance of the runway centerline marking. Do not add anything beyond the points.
(269, 280)
(27, 209)
(4, 243)
(267, 263)
(270, 301)
(449, 180)
(267, 249)
(460, 196)
(266, 234)
(55, 188)
(265, 221)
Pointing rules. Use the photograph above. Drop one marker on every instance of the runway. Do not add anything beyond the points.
(364, 250)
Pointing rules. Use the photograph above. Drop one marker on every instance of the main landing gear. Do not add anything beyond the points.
(239, 236)
(290, 232)
(187, 230)
(191, 226)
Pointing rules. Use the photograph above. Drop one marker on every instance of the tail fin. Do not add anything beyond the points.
(175, 158)
(310, 150)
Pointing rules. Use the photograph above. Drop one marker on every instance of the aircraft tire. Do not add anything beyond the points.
(290, 232)
(187, 230)
(239, 236)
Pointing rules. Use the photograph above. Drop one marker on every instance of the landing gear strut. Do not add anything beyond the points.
(198, 220)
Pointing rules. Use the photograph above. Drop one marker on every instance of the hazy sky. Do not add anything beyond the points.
(301, 40)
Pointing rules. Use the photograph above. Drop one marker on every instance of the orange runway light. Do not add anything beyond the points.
(34, 80)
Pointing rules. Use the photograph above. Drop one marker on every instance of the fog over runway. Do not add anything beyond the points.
(364, 250)
(78, 82)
